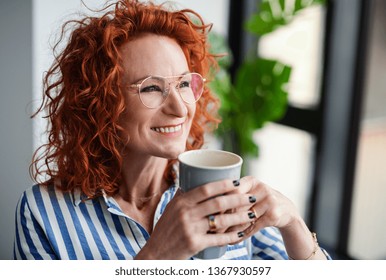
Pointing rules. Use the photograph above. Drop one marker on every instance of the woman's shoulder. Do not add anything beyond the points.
(40, 194)
(41, 199)
(38, 190)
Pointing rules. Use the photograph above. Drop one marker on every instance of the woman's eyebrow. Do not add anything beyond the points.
(141, 79)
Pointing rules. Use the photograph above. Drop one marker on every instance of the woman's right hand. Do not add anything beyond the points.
(183, 229)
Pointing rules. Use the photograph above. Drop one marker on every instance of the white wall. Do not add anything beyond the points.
(15, 125)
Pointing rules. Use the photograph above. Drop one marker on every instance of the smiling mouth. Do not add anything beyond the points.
(167, 129)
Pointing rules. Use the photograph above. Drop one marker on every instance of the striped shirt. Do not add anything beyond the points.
(51, 224)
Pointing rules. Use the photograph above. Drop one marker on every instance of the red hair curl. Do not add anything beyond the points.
(84, 100)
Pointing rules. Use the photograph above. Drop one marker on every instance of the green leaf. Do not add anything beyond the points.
(273, 14)
(261, 97)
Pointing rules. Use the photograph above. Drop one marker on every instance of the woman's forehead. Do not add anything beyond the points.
(152, 55)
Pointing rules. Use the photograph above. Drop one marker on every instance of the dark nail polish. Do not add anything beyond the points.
(252, 199)
(240, 234)
(236, 183)
(251, 215)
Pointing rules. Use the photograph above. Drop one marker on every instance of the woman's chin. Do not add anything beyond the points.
(173, 154)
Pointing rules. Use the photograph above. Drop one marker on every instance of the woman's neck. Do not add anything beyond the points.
(141, 190)
(143, 180)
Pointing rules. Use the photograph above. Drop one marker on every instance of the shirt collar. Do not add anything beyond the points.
(81, 197)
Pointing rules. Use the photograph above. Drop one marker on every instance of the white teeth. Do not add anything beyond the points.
(170, 129)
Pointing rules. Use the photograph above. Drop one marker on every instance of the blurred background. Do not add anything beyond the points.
(325, 146)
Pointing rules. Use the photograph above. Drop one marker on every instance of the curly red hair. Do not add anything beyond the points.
(84, 100)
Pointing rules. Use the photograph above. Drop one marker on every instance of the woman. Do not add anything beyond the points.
(124, 98)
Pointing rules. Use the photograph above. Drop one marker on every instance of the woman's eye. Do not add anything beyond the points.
(184, 84)
(151, 88)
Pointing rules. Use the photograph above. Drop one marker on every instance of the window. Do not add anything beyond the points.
(287, 153)
(366, 239)
(340, 170)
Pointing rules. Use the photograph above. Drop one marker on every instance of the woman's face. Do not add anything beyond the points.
(163, 131)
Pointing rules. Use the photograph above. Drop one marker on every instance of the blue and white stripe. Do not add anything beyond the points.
(51, 224)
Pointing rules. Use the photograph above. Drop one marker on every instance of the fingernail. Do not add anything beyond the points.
(236, 183)
(240, 234)
(251, 215)
(252, 199)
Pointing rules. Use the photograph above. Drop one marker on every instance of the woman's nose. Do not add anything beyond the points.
(174, 104)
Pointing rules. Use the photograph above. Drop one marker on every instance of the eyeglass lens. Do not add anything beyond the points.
(154, 90)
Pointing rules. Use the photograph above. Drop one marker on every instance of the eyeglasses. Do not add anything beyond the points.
(154, 90)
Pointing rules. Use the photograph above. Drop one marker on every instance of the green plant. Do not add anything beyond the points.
(259, 92)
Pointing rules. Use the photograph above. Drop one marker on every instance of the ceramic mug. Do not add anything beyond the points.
(198, 167)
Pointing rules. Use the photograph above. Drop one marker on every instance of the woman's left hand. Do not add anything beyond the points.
(273, 209)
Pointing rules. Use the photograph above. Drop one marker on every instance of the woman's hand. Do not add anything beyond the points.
(239, 211)
(270, 209)
(274, 209)
(183, 229)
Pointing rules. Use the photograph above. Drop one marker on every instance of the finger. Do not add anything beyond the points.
(222, 239)
(251, 229)
(224, 203)
(252, 216)
(257, 224)
(241, 231)
(244, 184)
(239, 227)
(258, 210)
(257, 221)
(250, 184)
(209, 190)
(234, 220)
